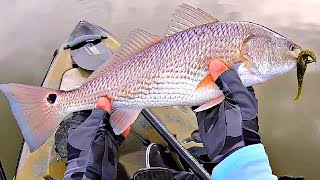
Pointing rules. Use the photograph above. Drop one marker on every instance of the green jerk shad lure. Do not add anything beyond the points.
(302, 62)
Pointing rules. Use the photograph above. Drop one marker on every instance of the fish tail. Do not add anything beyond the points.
(36, 110)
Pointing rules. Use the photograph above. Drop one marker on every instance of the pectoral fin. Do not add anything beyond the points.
(206, 82)
(210, 104)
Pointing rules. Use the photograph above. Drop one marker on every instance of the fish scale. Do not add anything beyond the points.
(154, 71)
(183, 55)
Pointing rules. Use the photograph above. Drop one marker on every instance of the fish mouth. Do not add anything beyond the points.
(302, 61)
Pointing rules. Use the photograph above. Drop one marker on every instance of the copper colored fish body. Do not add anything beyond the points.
(169, 72)
(154, 71)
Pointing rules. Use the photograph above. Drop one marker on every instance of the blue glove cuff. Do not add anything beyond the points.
(250, 162)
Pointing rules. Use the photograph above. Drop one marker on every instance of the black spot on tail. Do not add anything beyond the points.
(51, 98)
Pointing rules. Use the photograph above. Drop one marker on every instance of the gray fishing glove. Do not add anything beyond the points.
(92, 146)
(233, 123)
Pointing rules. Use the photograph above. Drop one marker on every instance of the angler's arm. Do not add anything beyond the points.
(92, 145)
(229, 131)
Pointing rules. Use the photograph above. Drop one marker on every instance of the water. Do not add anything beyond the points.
(31, 30)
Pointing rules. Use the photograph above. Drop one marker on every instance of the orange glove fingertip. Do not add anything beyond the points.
(126, 132)
(104, 103)
(216, 68)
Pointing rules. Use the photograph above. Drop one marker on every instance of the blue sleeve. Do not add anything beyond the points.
(250, 162)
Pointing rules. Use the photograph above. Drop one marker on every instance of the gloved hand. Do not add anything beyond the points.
(92, 145)
(233, 123)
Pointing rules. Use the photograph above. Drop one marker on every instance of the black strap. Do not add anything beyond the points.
(2, 174)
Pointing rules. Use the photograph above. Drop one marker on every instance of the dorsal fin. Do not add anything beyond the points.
(186, 17)
(137, 41)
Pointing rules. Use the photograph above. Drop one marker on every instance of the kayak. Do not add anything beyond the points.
(87, 47)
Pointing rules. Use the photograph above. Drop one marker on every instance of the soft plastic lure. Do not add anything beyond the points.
(302, 62)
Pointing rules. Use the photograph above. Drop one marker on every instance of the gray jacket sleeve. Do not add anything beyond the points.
(220, 127)
(92, 147)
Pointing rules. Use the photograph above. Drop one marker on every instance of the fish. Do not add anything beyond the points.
(157, 71)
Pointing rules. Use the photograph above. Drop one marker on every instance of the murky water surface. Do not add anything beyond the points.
(31, 30)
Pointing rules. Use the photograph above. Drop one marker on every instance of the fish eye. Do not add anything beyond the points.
(292, 47)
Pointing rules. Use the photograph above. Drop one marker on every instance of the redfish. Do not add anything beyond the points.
(157, 71)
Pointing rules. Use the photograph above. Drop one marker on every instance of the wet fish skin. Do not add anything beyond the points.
(167, 73)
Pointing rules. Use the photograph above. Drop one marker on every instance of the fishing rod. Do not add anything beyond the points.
(195, 166)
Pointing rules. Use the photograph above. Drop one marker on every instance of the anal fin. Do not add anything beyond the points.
(122, 118)
(210, 104)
